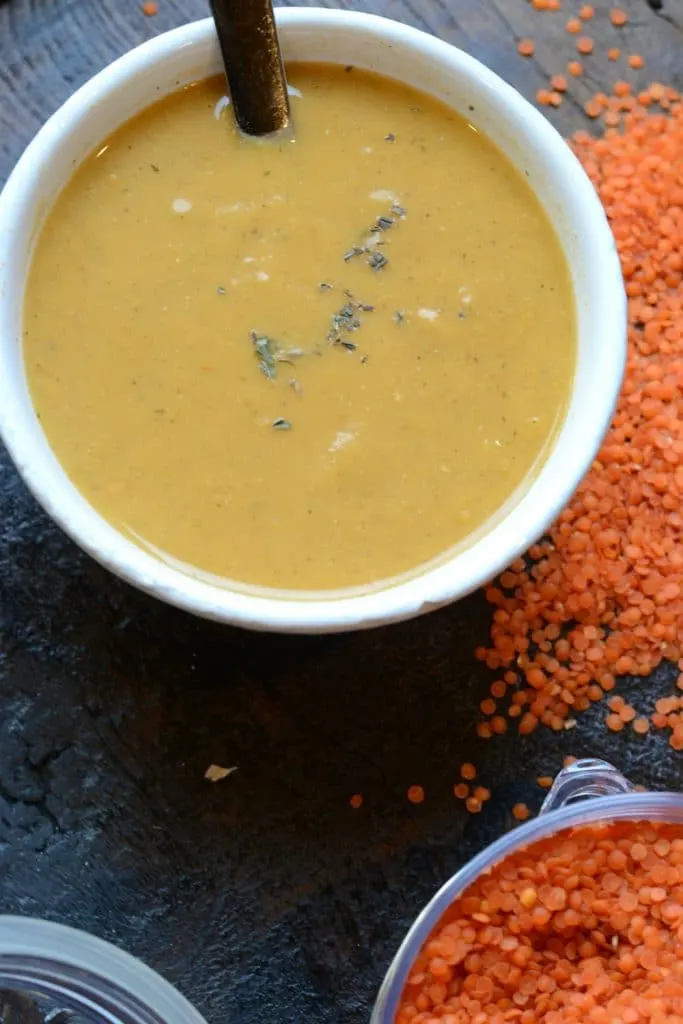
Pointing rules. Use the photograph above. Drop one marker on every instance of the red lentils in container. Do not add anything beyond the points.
(585, 927)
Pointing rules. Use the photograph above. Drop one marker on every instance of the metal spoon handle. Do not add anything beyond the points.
(253, 64)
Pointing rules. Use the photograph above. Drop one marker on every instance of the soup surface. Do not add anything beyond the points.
(306, 364)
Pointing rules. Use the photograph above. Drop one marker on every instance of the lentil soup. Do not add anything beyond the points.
(306, 364)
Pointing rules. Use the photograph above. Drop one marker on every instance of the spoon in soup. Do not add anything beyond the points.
(253, 64)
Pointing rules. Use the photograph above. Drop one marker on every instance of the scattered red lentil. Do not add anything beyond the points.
(482, 794)
(473, 805)
(585, 45)
(150, 8)
(416, 794)
(573, 26)
(468, 771)
(586, 926)
(641, 726)
(356, 801)
(543, 97)
(613, 54)
(586, 12)
(618, 17)
(526, 47)
(521, 812)
(636, 61)
(555, 99)
(575, 68)
(461, 790)
(559, 83)
(545, 781)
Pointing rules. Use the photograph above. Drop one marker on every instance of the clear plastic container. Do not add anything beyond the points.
(586, 792)
(50, 974)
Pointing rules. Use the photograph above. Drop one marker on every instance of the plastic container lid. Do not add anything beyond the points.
(51, 974)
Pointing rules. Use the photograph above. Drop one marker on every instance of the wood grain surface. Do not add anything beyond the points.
(264, 897)
(50, 47)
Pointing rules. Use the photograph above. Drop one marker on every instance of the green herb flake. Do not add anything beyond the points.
(265, 349)
(357, 250)
(377, 260)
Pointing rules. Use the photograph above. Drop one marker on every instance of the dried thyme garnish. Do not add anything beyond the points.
(269, 354)
(357, 250)
(281, 424)
(390, 137)
(346, 321)
(376, 260)
(399, 316)
(265, 349)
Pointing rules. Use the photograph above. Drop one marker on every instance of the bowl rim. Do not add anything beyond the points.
(452, 576)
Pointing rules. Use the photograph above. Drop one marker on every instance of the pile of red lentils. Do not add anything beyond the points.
(602, 595)
(582, 928)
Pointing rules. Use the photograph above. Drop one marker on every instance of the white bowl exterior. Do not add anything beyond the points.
(314, 34)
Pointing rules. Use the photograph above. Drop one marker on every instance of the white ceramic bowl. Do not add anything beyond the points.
(191, 52)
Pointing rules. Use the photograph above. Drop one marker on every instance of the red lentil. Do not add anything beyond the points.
(573, 26)
(545, 781)
(618, 17)
(356, 801)
(468, 771)
(416, 794)
(575, 929)
(614, 53)
(575, 68)
(559, 83)
(585, 45)
(586, 12)
(150, 8)
(526, 47)
(461, 790)
(636, 61)
(521, 812)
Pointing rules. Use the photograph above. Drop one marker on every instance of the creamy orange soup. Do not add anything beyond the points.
(304, 364)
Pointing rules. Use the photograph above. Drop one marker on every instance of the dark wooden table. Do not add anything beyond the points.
(265, 896)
